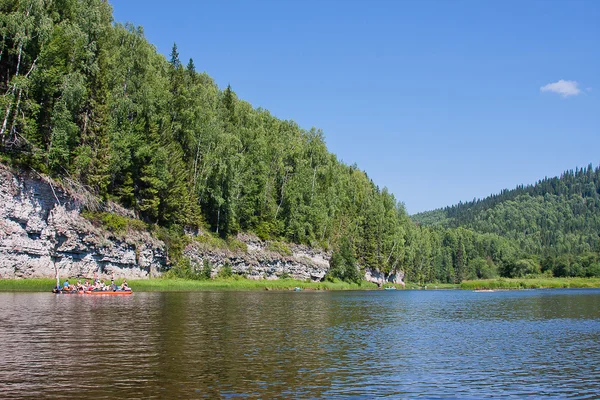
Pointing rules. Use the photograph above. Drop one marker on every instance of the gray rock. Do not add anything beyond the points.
(42, 233)
(380, 278)
(259, 263)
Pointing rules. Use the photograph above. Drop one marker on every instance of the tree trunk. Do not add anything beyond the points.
(282, 188)
(218, 219)
(14, 88)
(312, 192)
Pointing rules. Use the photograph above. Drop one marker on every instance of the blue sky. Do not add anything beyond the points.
(440, 101)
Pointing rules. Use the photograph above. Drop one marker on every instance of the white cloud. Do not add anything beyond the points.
(562, 87)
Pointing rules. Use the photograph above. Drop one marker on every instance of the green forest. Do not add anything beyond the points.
(556, 222)
(87, 100)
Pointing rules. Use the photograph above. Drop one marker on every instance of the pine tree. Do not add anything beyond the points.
(175, 63)
(191, 68)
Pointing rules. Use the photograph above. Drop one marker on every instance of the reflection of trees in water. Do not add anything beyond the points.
(224, 342)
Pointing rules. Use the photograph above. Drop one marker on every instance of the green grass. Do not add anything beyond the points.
(27, 285)
(429, 286)
(279, 247)
(214, 242)
(531, 283)
(115, 223)
(188, 285)
(183, 285)
(239, 283)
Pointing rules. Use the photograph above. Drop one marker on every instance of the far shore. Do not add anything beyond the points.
(242, 284)
(531, 283)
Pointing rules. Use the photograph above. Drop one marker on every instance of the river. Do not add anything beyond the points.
(401, 344)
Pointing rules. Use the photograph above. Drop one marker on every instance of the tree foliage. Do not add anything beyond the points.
(93, 101)
(552, 224)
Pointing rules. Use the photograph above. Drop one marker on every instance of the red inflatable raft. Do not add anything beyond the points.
(95, 292)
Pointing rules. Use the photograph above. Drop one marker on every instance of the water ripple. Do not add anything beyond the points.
(401, 344)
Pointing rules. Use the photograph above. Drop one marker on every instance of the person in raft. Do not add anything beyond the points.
(112, 282)
(125, 286)
(66, 285)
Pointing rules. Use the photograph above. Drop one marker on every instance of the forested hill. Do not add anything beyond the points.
(92, 102)
(559, 215)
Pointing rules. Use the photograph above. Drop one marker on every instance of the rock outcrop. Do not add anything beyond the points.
(42, 233)
(258, 262)
(381, 278)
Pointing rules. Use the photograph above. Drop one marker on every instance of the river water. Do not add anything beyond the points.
(401, 344)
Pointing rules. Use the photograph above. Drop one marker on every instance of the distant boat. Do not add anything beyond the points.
(297, 289)
(390, 288)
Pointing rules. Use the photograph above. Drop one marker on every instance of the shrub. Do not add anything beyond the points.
(483, 269)
(279, 247)
(237, 245)
(182, 268)
(211, 241)
(225, 272)
(214, 242)
(206, 270)
(175, 240)
(267, 230)
(114, 223)
(594, 270)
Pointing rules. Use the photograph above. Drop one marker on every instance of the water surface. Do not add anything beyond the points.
(301, 344)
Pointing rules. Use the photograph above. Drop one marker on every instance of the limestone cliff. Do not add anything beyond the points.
(258, 262)
(42, 233)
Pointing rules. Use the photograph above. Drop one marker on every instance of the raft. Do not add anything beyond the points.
(94, 292)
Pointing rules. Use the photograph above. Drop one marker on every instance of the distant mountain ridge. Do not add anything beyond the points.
(553, 216)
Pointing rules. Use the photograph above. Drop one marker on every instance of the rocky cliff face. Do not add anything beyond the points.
(42, 233)
(381, 278)
(258, 262)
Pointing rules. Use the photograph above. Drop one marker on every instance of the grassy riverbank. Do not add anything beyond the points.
(531, 283)
(185, 285)
(429, 286)
(27, 285)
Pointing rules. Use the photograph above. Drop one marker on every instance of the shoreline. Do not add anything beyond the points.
(241, 284)
(188, 285)
(531, 283)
